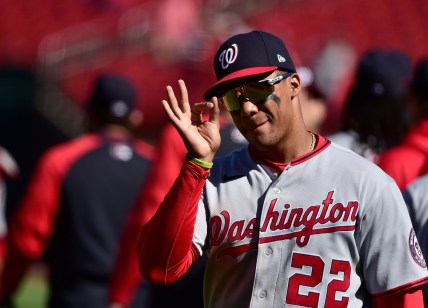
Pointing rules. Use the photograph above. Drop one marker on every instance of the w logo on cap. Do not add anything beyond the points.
(280, 58)
(228, 56)
(244, 57)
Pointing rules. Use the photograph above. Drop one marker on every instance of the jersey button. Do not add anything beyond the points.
(276, 190)
(268, 251)
(262, 294)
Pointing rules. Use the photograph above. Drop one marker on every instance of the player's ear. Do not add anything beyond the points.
(295, 84)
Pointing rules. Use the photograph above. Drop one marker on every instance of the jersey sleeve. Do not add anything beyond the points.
(416, 198)
(393, 261)
(165, 246)
(410, 299)
(31, 225)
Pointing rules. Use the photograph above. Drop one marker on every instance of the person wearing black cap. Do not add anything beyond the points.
(374, 116)
(78, 201)
(409, 159)
(290, 220)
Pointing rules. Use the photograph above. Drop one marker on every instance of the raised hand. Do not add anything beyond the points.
(202, 138)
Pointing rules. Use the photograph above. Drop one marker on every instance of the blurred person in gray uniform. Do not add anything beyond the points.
(416, 198)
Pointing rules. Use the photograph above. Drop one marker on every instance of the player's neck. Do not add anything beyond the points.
(288, 150)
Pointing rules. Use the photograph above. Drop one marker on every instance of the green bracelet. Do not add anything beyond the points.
(199, 162)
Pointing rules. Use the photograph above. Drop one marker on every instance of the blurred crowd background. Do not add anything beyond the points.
(51, 51)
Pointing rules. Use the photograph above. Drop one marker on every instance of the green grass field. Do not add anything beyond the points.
(33, 291)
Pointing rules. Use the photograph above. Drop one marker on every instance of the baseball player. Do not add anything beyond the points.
(291, 220)
(78, 201)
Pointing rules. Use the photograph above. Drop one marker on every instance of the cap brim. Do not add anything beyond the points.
(237, 79)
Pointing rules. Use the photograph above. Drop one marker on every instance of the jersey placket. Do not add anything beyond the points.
(269, 254)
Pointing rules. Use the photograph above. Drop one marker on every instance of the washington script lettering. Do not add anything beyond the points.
(308, 221)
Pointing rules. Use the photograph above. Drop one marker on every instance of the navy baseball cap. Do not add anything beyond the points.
(420, 79)
(246, 58)
(384, 74)
(114, 95)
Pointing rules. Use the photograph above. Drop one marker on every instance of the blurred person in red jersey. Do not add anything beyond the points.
(167, 164)
(409, 160)
(77, 202)
(374, 116)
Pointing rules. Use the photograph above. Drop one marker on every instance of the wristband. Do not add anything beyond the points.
(199, 162)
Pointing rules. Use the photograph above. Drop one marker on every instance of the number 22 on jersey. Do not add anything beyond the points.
(298, 281)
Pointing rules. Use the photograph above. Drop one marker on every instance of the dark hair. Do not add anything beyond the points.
(376, 106)
(379, 122)
(419, 87)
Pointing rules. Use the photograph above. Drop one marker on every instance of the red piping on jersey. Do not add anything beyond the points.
(400, 289)
(276, 238)
(322, 144)
(238, 250)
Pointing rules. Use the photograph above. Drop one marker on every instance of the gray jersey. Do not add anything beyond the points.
(321, 233)
(417, 201)
(349, 139)
(416, 198)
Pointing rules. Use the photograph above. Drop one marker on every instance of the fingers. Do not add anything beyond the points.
(176, 109)
(169, 111)
(171, 107)
(172, 101)
(214, 116)
(198, 110)
(184, 96)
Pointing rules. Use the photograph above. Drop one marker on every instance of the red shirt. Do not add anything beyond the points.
(408, 160)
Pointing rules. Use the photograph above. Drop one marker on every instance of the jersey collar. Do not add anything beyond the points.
(322, 144)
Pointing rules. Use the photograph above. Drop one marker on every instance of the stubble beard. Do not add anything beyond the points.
(262, 141)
